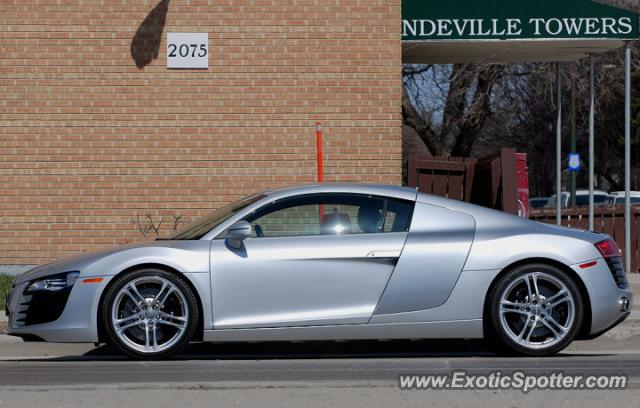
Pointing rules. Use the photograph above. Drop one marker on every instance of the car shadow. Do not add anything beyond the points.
(319, 350)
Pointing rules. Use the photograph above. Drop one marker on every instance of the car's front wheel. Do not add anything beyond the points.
(149, 314)
(535, 310)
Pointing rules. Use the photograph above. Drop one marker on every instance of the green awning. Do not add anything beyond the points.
(495, 31)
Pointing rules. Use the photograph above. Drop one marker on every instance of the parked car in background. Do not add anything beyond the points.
(582, 199)
(617, 198)
(538, 202)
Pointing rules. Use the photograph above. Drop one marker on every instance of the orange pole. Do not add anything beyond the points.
(320, 164)
(319, 151)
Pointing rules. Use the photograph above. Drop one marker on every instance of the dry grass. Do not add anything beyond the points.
(5, 286)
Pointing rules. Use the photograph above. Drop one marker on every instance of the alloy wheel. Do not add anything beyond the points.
(150, 314)
(537, 310)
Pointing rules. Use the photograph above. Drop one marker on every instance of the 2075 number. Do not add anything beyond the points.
(185, 50)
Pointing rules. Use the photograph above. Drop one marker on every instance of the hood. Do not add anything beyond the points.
(79, 261)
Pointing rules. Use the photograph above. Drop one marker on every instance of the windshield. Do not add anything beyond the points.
(202, 226)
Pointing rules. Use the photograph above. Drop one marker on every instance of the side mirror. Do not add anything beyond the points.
(237, 233)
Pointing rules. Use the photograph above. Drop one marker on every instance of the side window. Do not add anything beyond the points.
(330, 214)
(399, 214)
(299, 219)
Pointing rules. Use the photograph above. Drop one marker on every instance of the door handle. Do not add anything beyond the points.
(384, 254)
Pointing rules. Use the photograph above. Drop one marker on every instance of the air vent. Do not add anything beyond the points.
(617, 271)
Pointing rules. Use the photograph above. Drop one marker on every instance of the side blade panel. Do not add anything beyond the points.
(431, 262)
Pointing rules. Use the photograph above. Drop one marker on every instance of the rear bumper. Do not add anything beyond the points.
(76, 324)
(600, 333)
(606, 298)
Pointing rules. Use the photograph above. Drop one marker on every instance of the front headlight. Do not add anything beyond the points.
(54, 283)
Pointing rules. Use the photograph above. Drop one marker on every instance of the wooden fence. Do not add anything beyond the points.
(496, 182)
(490, 182)
(609, 220)
(450, 177)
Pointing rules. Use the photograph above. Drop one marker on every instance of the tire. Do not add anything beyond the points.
(534, 310)
(162, 307)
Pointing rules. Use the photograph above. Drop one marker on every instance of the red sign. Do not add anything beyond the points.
(523, 185)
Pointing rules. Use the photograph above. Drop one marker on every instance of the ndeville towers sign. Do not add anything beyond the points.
(433, 20)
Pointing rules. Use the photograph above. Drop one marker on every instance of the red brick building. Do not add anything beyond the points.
(96, 132)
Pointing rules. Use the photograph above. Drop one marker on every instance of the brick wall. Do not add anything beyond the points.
(89, 141)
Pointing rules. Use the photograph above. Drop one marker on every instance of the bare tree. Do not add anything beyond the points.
(462, 94)
(177, 220)
(473, 110)
(147, 224)
(150, 225)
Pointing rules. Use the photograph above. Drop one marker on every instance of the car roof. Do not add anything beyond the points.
(621, 193)
(582, 192)
(404, 193)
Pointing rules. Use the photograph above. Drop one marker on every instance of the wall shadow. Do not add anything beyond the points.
(145, 46)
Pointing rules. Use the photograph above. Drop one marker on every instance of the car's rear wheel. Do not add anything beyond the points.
(150, 314)
(535, 310)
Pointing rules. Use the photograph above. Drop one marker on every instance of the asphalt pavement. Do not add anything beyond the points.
(305, 374)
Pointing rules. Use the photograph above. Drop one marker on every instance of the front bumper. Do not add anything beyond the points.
(605, 297)
(77, 322)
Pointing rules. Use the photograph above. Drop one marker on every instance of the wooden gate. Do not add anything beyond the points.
(490, 182)
(450, 177)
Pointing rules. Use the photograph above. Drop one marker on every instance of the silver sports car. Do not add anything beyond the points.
(333, 262)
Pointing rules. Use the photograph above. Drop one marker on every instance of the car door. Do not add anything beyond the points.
(317, 259)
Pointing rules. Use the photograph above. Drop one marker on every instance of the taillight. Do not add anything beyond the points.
(611, 253)
(608, 248)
